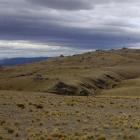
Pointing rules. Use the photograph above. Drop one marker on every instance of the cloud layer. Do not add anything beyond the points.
(74, 24)
(64, 4)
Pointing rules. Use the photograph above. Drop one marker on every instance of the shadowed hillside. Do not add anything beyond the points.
(84, 74)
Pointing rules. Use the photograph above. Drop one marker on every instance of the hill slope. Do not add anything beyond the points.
(85, 74)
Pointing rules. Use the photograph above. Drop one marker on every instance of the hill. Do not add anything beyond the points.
(19, 61)
(91, 73)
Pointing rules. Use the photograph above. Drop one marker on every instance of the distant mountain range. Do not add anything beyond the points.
(20, 60)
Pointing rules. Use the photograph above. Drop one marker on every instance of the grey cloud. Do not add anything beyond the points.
(75, 4)
(80, 26)
(54, 34)
(65, 4)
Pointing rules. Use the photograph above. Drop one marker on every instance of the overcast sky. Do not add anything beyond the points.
(54, 27)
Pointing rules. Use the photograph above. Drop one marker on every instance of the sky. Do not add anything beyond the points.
(30, 28)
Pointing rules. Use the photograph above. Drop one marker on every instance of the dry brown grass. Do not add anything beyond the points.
(67, 117)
